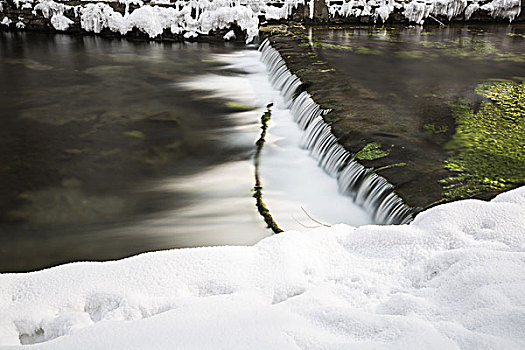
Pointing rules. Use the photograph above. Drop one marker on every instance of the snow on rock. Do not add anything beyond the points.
(22, 4)
(188, 17)
(60, 22)
(6, 21)
(503, 8)
(55, 11)
(418, 10)
(452, 279)
(95, 17)
(50, 8)
(191, 18)
(230, 35)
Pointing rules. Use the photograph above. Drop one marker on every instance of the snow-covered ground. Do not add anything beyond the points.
(452, 279)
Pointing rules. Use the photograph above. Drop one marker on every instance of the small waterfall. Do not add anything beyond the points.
(368, 189)
(280, 77)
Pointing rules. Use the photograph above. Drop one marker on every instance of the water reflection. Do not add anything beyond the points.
(417, 71)
(89, 129)
(107, 150)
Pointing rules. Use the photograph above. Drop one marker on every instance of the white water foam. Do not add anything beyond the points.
(294, 186)
(369, 190)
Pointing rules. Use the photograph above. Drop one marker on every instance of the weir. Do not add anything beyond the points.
(367, 189)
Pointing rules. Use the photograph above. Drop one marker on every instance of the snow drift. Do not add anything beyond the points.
(452, 279)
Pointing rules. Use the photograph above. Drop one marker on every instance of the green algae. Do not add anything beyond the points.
(434, 44)
(238, 106)
(257, 189)
(367, 51)
(371, 151)
(413, 54)
(516, 35)
(390, 166)
(471, 48)
(134, 133)
(325, 45)
(30, 64)
(435, 129)
(488, 148)
(509, 57)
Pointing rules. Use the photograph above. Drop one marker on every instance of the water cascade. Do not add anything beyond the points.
(368, 189)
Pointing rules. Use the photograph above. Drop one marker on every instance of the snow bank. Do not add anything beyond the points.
(452, 279)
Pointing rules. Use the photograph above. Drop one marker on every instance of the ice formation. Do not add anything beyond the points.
(187, 17)
(196, 17)
(418, 10)
(230, 35)
(6, 21)
(452, 279)
(20, 24)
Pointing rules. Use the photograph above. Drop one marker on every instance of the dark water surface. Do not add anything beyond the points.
(94, 132)
(418, 71)
(104, 155)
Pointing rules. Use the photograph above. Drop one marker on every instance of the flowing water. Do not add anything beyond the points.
(110, 148)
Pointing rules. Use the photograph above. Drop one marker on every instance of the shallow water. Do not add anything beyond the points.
(110, 148)
(417, 71)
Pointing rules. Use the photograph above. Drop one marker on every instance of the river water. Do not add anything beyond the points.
(110, 148)
(418, 71)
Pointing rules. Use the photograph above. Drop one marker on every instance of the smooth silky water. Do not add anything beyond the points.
(111, 148)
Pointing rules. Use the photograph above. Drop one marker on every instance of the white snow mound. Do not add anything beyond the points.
(452, 279)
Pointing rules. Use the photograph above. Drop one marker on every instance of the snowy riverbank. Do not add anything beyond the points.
(452, 279)
(189, 19)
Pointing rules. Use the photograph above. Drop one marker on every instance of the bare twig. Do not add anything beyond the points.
(303, 225)
(314, 220)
